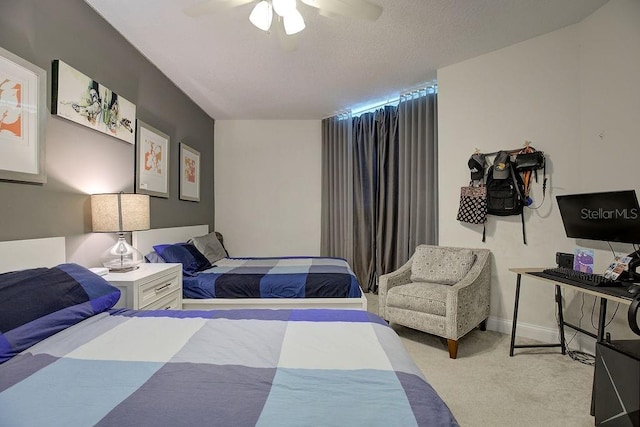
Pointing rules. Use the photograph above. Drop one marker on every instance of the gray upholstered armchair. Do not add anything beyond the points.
(443, 291)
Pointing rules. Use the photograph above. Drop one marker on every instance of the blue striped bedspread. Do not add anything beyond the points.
(222, 368)
(283, 277)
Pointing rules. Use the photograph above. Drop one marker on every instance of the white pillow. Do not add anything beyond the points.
(446, 266)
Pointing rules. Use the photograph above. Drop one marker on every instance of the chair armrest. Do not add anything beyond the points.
(401, 276)
(468, 300)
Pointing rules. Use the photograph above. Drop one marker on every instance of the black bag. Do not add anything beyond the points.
(529, 161)
(473, 205)
(505, 189)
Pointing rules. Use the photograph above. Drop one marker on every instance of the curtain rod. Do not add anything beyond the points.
(390, 101)
(394, 101)
(375, 106)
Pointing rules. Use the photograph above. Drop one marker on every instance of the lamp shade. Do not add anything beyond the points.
(119, 212)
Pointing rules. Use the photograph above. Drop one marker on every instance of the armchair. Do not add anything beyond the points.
(443, 291)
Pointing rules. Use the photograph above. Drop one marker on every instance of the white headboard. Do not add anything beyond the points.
(144, 240)
(32, 253)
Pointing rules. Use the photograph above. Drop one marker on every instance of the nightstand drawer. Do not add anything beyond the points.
(157, 289)
(147, 285)
(173, 301)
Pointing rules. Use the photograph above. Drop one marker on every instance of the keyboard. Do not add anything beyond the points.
(579, 277)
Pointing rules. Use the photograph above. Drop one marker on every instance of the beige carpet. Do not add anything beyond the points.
(486, 387)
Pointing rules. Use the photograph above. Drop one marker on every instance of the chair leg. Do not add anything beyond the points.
(453, 348)
(483, 325)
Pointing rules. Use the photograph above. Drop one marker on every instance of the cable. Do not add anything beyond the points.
(605, 323)
(580, 356)
(614, 252)
(544, 195)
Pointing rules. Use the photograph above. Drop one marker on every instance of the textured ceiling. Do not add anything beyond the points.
(235, 71)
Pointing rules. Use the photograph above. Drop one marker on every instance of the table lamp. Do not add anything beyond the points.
(120, 213)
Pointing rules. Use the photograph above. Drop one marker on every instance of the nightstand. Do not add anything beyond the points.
(152, 286)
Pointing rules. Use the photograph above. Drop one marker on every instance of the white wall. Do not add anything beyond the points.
(267, 182)
(575, 93)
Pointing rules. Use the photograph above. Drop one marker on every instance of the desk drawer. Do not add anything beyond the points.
(157, 289)
(172, 301)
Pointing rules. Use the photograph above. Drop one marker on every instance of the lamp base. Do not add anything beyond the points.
(122, 257)
(121, 269)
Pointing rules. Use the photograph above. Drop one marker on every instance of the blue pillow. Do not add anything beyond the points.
(184, 253)
(40, 302)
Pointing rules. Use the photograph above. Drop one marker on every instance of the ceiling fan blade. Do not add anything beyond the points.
(212, 6)
(288, 43)
(362, 9)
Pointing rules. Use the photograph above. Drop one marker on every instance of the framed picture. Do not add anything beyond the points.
(189, 173)
(81, 99)
(152, 161)
(23, 115)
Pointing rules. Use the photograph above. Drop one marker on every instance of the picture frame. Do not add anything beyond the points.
(23, 116)
(152, 160)
(189, 173)
(79, 98)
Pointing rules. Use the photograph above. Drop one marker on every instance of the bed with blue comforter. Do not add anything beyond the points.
(96, 365)
(213, 279)
(283, 277)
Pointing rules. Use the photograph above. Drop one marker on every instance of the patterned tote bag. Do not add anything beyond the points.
(473, 204)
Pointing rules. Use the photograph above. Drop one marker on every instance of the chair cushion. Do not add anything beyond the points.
(446, 266)
(424, 297)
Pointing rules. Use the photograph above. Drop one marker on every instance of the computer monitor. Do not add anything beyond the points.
(612, 216)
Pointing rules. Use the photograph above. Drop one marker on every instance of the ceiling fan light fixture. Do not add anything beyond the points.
(293, 23)
(284, 7)
(262, 15)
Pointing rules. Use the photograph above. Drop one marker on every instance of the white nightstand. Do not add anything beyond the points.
(150, 287)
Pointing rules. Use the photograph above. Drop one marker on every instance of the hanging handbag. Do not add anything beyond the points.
(473, 204)
(529, 161)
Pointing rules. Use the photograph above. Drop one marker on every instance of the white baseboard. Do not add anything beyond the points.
(581, 342)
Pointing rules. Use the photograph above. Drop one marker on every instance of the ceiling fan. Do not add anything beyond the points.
(288, 18)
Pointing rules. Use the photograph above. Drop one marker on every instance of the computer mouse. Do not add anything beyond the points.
(634, 289)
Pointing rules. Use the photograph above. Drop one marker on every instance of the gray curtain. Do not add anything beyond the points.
(375, 153)
(337, 188)
(392, 205)
(387, 193)
(417, 174)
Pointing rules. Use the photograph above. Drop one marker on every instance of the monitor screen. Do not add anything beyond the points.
(612, 216)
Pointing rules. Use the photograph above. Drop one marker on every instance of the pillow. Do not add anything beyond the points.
(153, 257)
(40, 302)
(210, 247)
(446, 266)
(184, 253)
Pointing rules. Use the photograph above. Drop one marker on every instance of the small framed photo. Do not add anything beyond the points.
(23, 115)
(152, 161)
(189, 173)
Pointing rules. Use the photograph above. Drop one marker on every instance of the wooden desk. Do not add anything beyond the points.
(615, 294)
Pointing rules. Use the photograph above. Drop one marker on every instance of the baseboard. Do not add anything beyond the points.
(543, 334)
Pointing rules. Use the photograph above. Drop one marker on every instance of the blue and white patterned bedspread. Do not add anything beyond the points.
(284, 277)
(223, 368)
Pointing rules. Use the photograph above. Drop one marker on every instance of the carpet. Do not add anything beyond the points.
(486, 387)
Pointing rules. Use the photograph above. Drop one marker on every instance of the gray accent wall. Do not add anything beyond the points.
(79, 160)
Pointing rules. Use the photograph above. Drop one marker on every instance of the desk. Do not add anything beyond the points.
(615, 294)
